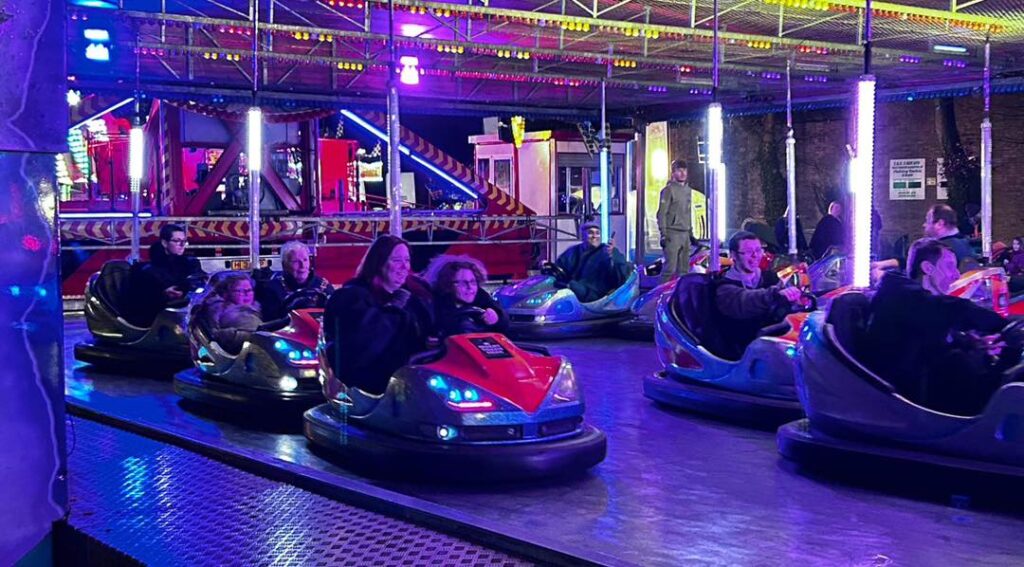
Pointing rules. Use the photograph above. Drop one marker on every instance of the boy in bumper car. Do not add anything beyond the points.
(593, 269)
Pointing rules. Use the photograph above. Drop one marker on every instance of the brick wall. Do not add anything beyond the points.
(905, 130)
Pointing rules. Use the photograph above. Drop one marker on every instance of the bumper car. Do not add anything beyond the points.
(757, 390)
(641, 324)
(829, 272)
(857, 422)
(276, 367)
(480, 409)
(989, 287)
(538, 308)
(117, 344)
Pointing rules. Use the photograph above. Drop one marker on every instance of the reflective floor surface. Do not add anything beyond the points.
(675, 489)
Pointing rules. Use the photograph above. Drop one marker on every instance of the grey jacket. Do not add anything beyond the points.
(674, 208)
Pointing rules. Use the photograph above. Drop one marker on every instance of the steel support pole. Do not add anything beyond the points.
(254, 147)
(606, 186)
(394, 134)
(986, 161)
(714, 262)
(790, 166)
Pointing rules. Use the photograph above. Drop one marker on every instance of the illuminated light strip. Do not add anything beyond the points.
(136, 146)
(254, 148)
(861, 181)
(471, 405)
(402, 148)
(102, 112)
(716, 133)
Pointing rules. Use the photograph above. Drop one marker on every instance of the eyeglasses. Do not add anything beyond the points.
(465, 283)
(178, 241)
(242, 291)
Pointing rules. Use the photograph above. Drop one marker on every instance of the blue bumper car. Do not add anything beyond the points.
(160, 346)
(538, 308)
(757, 389)
(857, 423)
(479, 409)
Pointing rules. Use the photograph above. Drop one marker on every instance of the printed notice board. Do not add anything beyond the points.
(906, 179)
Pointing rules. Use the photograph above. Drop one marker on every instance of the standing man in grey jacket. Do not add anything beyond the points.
(674, 222)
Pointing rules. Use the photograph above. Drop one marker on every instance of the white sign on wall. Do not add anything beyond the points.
(906, 179)
(942, 186)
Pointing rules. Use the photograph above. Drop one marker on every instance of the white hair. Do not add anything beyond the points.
(291, 247)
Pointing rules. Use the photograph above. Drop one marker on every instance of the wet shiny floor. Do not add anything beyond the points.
(675, 489)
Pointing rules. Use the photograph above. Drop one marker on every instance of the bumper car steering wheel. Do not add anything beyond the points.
(305, 299)
(555, 271)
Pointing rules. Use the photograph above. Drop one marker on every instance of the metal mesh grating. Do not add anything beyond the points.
(164, 505)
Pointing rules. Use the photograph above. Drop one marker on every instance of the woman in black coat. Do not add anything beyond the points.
(378, 320)
(460, 303)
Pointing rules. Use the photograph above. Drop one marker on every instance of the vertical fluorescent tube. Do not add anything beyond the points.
(255, 146)
(986, 188)
(717, 169)
(791, 192)
(606, 198)
(135, 153)
(254, 155)
(861, 181)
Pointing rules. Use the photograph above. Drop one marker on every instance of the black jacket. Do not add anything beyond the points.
(782, 235)
(167, 270)
(593, 274)
(370, 335)
(827, 234)
(145, 298)
(911, 343)
(742, 313)
(271, 292)
(452, 319)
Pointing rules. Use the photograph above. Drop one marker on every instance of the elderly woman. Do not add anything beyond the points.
(296, 275)
(230, 313)
(379, 319)
(460, 303)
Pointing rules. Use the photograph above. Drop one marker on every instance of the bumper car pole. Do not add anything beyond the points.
(135, 157)
(862, 163)
(986, 160)
(606, 199)
(716, 169)
(790, 166)
(254, 148)
(394, 134)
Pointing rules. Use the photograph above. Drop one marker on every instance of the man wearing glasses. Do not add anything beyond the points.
(164, 280)
(747, 298)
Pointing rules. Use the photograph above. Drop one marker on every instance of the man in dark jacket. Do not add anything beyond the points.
(933, 348)
(940, 223)
(747, 299)
(296, 275)
(829, 232)
(165, 280)
(594, 269)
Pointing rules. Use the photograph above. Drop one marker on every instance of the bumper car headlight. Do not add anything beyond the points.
(460, 396)
(565, 388)
(538, 300)
(288, 383)
(296, 354)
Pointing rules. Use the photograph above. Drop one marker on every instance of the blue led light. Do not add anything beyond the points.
(293, 355)
(470, 395)
(455, 395)
(15, 290)
(540, 299)
(437, 383)
(791, 351)
(40, 291)
(446, 433)
(307, 354)
(383, 136)
(281, 345)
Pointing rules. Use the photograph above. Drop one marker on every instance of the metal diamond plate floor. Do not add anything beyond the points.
(164, 505)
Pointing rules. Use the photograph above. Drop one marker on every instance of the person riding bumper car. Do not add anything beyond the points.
(858, 422)
(272, 366)
(121, 342)
(721, 362)
(480, 408)
(587, 291)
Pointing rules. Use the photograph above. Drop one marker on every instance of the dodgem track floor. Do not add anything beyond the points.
(675, 489)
